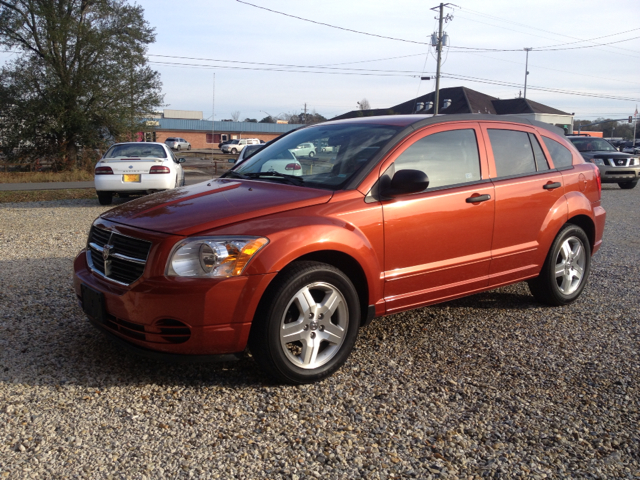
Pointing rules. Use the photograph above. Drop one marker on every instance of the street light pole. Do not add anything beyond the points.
(526, 72)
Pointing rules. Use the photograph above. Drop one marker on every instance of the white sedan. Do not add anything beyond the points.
(135, 168)
(304, 150)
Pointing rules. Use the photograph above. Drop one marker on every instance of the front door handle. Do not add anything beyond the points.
(478, 199)
(552, 186)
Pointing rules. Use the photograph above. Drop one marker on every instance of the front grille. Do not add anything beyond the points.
(126, 259)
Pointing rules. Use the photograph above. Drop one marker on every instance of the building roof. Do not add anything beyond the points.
(181, 124)
(463, 100)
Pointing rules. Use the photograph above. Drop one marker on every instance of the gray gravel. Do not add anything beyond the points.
(493, 385)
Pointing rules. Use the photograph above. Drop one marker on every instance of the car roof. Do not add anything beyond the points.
(137, 143)
(418, 121)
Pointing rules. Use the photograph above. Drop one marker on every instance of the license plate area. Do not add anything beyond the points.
(93, 303)
(131, 178)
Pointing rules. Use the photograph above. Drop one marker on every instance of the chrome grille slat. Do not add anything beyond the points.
(127, 255)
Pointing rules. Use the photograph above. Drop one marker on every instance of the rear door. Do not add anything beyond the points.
(438, 242)
(526, 193)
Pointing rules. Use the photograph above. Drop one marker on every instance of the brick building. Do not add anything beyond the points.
(205, 133)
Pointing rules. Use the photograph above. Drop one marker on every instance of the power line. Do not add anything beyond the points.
(547, 48)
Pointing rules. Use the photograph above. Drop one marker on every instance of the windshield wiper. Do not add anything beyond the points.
(233, 174)
(290, 179)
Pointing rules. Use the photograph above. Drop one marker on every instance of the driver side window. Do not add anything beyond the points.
(448, 158)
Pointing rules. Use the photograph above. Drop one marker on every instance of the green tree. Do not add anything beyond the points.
(81, 76)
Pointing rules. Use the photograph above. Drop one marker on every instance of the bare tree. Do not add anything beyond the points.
(364, 104)
(235, 116)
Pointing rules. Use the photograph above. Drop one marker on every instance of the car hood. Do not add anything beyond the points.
(212, 204)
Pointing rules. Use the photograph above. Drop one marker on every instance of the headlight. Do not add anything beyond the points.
(598, 161)
(213, 257)
(634, 161)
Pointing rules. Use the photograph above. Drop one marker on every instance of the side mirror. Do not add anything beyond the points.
(405, 182)
(182, 160)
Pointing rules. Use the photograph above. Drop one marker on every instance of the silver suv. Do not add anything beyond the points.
(177, 143)
(615, 167)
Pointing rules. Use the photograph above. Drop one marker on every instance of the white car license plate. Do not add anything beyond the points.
(131, 178)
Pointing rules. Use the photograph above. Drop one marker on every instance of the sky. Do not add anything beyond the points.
(226, 56)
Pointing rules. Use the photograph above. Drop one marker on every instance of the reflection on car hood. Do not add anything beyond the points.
(212, 204)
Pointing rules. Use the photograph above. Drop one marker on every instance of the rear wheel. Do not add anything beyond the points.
(628, 185)
(566, 269)
(310, 323)
(105, 198)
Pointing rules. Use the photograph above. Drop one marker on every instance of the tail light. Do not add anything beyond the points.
(599, 182)
(104, 171)
(293, 166)
(159, 169)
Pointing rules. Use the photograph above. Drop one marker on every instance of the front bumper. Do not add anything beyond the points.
(609, 174)
(180, 316)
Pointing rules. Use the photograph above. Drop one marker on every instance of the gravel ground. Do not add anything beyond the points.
(493, 385)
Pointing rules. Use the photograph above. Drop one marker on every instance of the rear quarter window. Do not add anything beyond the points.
(561, 155)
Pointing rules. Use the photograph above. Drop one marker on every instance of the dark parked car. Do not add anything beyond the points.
(292, 263)
(615, 166)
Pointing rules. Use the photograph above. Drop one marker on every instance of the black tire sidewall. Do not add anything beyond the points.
(281, 366)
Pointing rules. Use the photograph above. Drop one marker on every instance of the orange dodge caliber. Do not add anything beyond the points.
(290, 256)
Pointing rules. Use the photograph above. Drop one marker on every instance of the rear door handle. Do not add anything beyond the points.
(478, 199)
(552, 186)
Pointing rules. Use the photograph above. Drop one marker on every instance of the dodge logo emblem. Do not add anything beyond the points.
(106, 252)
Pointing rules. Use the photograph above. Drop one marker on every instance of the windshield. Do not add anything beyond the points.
(137, 150)
(591, 144)
(322, 156)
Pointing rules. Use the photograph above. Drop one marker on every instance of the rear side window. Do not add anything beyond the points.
(448, 158)
(512, 152)
(541, 161)
(560, 154)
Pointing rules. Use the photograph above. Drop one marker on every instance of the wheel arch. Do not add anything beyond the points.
(340, 260)
(586, 224)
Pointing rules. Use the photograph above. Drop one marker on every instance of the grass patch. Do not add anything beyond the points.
(44, 177)
(47, 195)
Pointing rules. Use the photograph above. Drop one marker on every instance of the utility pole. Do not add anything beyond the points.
(526, 71)
(440, 18)
(305, 113)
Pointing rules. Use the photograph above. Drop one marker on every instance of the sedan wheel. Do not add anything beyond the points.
(234, 151)
(566, 269)
(312, 316)
(312, 154)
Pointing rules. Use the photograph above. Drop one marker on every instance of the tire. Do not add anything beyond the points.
(189, 147)
(105, 198)
(312, 154)
(628, 185)
(291, 346)
(178, 148)
(566, 269)
(234, 151)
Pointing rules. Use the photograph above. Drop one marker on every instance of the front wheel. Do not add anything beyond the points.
(628, 185)
(566, 269)
(312, 154)
(234, 151)
(309, 325)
